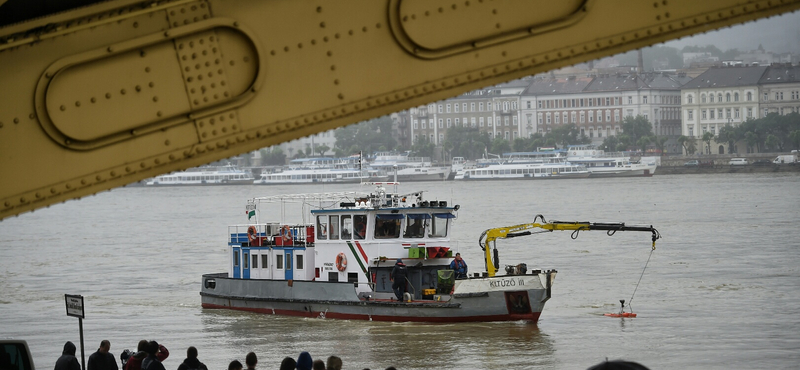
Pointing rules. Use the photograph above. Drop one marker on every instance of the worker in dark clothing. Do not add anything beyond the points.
(102, 359)
(398, 278)
(68, 361)
(459, 266)
(151, 362)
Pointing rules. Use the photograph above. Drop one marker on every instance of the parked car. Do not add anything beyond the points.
(762, 162)
(692, 163)
(738, 162)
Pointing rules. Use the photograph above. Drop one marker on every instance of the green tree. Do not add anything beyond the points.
(467, 142)
(423, 148)
(752, 140)
(660, 142)
(772, 142)
(610, 143)
(272, 156)
(691, 145)
(568, 134)
(707, 136)
(684, 142)
(727, 134)
(322, 148)
(636, 128)
(500, 146)
(643, 142)
(794, 136)
(367, 136)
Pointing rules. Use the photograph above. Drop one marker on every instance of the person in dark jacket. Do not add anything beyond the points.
(68, 361)
(191, 362)
(151, 362)
(135, 361)
(304, 361)
(398, 278)
(102, 359)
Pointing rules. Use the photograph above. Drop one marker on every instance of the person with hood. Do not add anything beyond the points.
(191, 362)
(459, 266)
(102, 359)
(151, 362)
(398, 278)
(304, 361)
(135, 361)
(68, 361)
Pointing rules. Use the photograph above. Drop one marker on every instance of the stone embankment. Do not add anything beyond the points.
(720, 164)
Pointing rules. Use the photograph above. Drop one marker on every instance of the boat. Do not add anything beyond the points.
(602, 164)
(532, 165)
(208, 175)
(336, 262)
(401, 167)
(321, 170)
(457, 164)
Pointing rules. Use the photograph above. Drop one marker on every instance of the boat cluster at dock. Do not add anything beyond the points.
(577, 161)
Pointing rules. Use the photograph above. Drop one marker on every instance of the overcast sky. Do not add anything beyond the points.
(778, 34)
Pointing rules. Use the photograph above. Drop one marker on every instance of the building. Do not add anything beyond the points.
(780, 89)
(494, 110)
(718, 97)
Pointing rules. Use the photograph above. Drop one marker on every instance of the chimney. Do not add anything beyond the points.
(640, 62)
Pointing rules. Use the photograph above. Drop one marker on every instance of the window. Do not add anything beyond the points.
(539, 104)
(766, 111)
(440, 108)
(591, 116)
(616, 115)
(608, 101)
(703, 98)
(299, 263)
(441, 123)
(457, 122)
(480, 121)
(703, 114)
(466, 121)
(736, 96)
(766, 96)
(448, 108)
(711, 113)
(322, 227)
(727, 113)
(288, 260)
(513, 120)
(538, 118)
(727, 97)
(471, 107)
(749, 112)
(334, 227)
(514, 105)
(505, 120)
(264, 260)
(644, 99)
(719, 97)
(347, 227)
(719, 111)
(735, 112)
(455, 108)
(255, 261)
(608, 115)
(583, 117)
(548, 117)
(749, 96)
(489, 120)
(710, 98)
(599, 116)
(691, 131)
(689, 98)
(472, 122)
(690, 114)
(528, 104)
(423, 124)
(449, 122)
(573, 117)
(387, 225)
(630, 100)
(441, 138)
(235, 258)
(464, 107)
(416, 124)
(505, 105)
(480, 106)
(416, 225)
(279, 261)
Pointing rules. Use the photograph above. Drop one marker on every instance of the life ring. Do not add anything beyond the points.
(286, 233)
(341, 262)
(252, 234)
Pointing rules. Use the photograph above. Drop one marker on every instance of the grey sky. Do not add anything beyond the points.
(777, 34)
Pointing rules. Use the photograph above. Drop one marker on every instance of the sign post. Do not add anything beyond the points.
(75, 309)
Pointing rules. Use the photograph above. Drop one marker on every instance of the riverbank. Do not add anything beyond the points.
(711, 169)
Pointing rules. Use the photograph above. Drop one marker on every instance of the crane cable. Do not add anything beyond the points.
(640, 276)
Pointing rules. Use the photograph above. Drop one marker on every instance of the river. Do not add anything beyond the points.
(722, 289)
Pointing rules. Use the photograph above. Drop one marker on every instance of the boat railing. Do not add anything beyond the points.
(271, 234)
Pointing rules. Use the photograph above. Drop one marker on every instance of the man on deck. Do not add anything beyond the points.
(398, 278)
(459, 266)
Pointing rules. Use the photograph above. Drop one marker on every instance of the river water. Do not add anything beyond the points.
(722, 289)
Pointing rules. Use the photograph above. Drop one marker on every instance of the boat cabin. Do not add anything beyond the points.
(350, 237)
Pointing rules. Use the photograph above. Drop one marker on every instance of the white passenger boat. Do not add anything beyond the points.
(524, 165)
(210, 175)
(408, 168)
(335, 260)
(321, 170)
(602, 164)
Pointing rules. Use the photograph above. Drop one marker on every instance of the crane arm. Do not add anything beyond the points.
(489, 237)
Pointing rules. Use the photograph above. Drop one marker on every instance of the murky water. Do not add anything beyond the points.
(720, 291)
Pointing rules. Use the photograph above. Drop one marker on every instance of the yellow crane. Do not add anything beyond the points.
(489, 237)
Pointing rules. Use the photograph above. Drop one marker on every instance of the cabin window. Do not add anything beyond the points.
(255, 261)
(416, 225)
(387, 226)
(352, 277)
(347, 227)
(246, 260)
(333, 276)
(299, 262)
(439, 224)
(279, 262)
(236, 258)
(322, 227)
(288, 261)
(334, 227)
(360, 227)
(264, 260)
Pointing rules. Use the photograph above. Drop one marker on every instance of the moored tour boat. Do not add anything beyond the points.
(211, 175)
(602, 164)
(336, 263)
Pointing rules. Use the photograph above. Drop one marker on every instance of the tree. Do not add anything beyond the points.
(423, 148)
(684, 142)
(752, 140)
(500, 146)
(566, 135)
(272, 156)
(467, 142)
(707, 136)
(643, 142)
(367, 136)
(728, 135)
(636, 128)
(610, 143)
(322, 149)
(691, 145)
(771, 142)
(660, 142)
(794, 136)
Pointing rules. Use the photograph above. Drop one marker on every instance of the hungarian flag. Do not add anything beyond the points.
(250, 214)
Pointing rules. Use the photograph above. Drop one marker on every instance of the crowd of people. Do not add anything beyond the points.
(150, 355)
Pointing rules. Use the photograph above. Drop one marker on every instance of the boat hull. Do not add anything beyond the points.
(504, 298)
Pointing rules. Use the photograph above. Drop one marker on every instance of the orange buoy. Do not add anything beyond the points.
(341, 262)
